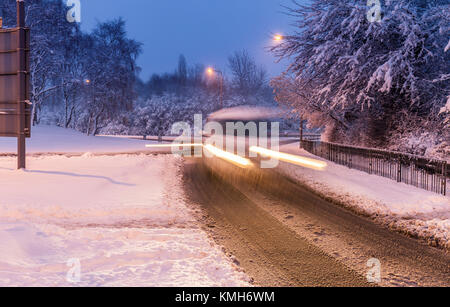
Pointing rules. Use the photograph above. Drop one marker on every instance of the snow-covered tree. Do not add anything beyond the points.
(182, 70)
(363, 79)
(62, 57)
(50, 36)
(248, 78)
(112, 72)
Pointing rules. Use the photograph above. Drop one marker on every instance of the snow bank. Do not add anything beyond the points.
(123, 217)
(406, 208)
(51, 139)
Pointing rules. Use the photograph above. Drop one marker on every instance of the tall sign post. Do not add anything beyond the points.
(22, 75)
(15, 117)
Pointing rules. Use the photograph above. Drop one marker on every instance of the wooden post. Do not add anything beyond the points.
(21, 89)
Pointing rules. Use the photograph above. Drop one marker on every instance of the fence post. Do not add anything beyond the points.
(350, 160)
(444, 178)
(337, 150)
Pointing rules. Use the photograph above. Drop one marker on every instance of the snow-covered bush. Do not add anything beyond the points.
(157, 114)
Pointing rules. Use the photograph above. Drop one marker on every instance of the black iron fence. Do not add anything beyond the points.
(427, 174)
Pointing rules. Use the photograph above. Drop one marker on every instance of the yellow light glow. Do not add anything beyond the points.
(87, 81)
(225, 155)
(278, 37)
(302, 161)
(172, 145)
(210, 71)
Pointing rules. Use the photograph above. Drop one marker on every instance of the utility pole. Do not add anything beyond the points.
(21, 74)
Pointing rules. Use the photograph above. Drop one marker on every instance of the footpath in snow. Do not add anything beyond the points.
(122, 218)
(402, 207)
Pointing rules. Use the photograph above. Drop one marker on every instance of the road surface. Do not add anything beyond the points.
(282, 234)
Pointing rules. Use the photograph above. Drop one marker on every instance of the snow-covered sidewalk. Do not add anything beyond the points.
(123, 217)
(402, 207)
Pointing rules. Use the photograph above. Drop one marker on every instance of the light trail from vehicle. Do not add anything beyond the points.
(243, 162)
(171, 145)
(225, 155)
(285, 157)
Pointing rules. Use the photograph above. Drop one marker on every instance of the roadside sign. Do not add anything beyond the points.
(15, 110)
(10, 83)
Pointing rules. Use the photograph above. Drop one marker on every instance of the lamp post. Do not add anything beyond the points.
(278, 38)
(211, 71)
(301, 131)
(91, 96)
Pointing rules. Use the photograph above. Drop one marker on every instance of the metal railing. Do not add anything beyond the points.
(306, 136)
(427, 174)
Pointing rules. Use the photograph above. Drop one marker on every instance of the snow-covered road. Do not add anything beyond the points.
(124, 218)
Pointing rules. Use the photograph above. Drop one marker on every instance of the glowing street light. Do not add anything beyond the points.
(87, 81)
(278, 37)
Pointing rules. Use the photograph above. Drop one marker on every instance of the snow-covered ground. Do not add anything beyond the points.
(123, 218)
(400, 206)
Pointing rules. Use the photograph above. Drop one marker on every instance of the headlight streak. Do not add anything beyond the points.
(243, 162)
(172, 145)
(301, 161)
(225, 155)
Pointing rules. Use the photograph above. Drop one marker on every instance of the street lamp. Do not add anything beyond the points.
(211, 71)
(278, 37)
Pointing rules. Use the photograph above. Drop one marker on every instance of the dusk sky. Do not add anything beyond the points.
(205, 31)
